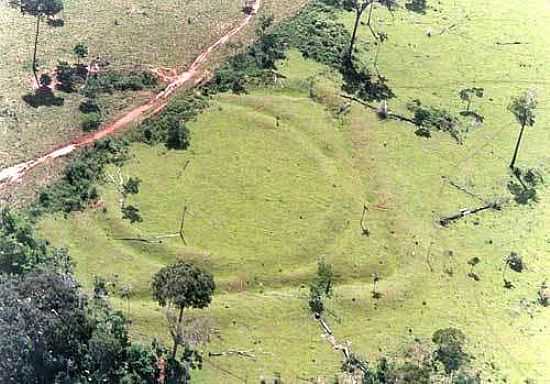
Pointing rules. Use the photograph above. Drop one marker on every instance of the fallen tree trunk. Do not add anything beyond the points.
(247, 354)
(390, 115)
(445, 221)
(139, 239)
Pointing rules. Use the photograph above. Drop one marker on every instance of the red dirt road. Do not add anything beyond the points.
(194, 74)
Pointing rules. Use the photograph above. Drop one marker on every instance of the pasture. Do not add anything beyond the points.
(274, 181)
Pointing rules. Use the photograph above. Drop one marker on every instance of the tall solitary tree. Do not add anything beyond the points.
(523, 108)
(39, 9)
(359, 7)
(182, 285)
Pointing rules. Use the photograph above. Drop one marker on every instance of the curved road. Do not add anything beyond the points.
(192, 76)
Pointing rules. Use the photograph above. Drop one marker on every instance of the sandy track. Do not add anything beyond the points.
(194, 74)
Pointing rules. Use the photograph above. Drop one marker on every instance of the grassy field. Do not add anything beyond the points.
(126, 33)
(267, 200)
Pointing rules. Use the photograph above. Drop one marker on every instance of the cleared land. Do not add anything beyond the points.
(267, 201)
(126, 34)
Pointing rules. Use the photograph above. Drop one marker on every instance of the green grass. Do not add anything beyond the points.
(266, 202)
(126, 33)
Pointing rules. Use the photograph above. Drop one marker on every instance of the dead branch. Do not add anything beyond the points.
(445, 221)
(512, 43)
(247, 354)
(364, 228)
(139, 239)
(183, 169)
(428, 259)
(390, 115)
(182, 237)
(466, 191)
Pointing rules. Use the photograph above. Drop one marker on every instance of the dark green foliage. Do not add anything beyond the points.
(78, 185)
(89, 106)
(524, 185)
(45, 80)
(364, 85)
(181, 109)
(315, 300)
(131, 187)
(450, 349)
(51, 333)
(131, 213)
(68, 77)
(81, 51)
(41, 7)
(21, 250)
(418, 6)
(177, 136)
(183, 285)
(427, 118)
(109, 82)
(320, 287)
(544, 294)
(318, 36)
(43, 97)
(91, 121)
(515, 262)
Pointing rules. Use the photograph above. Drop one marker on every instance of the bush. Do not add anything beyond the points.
(89, 106)
(161, 129)
(77, 187)
(427, 118)
(316, 34)
(109, 82)
(91, 121)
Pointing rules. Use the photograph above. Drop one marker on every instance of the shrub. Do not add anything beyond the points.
(160, 129)
(427, 118)
(108, 82)
(77, 186)
(89, 106)
(91, 121)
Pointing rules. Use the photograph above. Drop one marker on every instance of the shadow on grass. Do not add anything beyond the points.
(43, 97)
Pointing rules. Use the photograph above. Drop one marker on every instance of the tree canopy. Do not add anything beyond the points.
(183, 285)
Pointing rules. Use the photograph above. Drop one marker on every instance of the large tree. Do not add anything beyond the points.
(450, 349)
(359, 7)
(39, 9)
(523, 108)
(182, 285)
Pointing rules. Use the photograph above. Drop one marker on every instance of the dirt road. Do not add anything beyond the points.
(194, 74)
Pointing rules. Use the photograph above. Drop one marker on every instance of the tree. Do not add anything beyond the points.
(467, 95)
(450, 349)
(131, 213)
(418, 6)
(20, 249)
(39, 9)
(473, 262)
(183, 286)
(131, 186)
(177, 135)
(359, 7)
(523, 108)
(81, 51)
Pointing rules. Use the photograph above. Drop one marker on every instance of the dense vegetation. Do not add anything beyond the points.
(54, 333)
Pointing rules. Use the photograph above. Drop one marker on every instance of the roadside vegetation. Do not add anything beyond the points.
(367, 208)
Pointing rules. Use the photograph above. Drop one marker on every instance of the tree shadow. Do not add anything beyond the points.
(43, 97)
(364, 84)
(56, 23)
(418, 6)
(524, 187)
